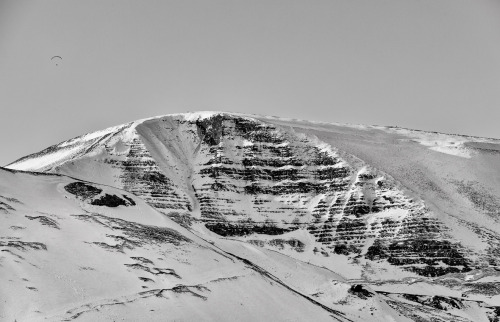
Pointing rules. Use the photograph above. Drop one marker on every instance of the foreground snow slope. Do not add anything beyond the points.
(69, 252)
(75, 250)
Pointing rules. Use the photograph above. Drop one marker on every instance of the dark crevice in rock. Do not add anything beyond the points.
(44, 220)
(22, 245)
(109, 201)
(360, 291)
(234, 229)
(83, 190)
(438, 256)
(137, 234)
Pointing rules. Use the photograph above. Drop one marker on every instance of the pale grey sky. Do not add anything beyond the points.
(431, 65)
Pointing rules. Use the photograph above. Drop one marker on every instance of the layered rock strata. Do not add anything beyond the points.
(241, 176)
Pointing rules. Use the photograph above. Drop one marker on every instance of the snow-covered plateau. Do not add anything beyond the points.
(214, 216)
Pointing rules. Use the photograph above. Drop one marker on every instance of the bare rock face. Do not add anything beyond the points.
(93, 195)
(257, 172)
(267, 183)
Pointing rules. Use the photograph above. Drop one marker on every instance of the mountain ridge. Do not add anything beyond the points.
(205, 114)
(382, 205)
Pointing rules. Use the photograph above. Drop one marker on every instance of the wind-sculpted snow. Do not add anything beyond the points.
(367, 202)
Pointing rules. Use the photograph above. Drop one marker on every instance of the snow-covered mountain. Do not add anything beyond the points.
(340, 217)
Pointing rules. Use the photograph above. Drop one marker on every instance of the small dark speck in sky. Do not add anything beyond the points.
(56, 59)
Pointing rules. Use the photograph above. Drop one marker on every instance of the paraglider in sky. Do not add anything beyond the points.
(57, 59)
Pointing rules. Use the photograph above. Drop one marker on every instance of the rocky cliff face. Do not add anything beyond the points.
(258, 175)
(248, 178)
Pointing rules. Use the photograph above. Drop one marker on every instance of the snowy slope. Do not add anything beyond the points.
(382, 206)
(65, 256)
(71, 250)
(240, 174)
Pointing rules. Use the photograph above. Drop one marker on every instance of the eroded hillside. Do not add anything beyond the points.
(374, 204)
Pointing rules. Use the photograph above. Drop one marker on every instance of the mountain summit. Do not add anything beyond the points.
(403, 221)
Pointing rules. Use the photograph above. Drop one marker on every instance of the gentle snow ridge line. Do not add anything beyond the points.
(441, 142)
